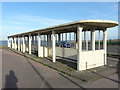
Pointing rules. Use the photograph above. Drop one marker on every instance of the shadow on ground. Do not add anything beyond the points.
(11, 80)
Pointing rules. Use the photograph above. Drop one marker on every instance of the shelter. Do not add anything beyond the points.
(89, 57)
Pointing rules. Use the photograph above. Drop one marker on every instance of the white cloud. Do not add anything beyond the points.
(24, 23)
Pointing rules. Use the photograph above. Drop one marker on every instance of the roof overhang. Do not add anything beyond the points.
(97, 24)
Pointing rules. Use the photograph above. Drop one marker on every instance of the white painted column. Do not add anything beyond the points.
(53, 46)
(39, 44)
(93, 40)
(99, 41)
(79, 50)
(15, 43)
(8, 42)
(29, 44)
(59, 40)
(87, 40)
(23, 44)
(18, 43)
(105, 45)
(12, 42)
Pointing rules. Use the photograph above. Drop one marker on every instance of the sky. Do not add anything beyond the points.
(18, 17)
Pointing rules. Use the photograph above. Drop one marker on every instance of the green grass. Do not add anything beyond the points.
(84, 80)
(70, 69)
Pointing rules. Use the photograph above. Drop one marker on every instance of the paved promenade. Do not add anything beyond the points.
(21, 72)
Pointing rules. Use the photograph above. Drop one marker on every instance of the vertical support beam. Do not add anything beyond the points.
(53, 46)
(12, 42)
(79, 50)
(59, 40)
(93, 40)
(15, 43)
(23, 44)
(105, 45)
(99, 41)
(39, 43)
(87, 41)
(18, 43)
(29, 43)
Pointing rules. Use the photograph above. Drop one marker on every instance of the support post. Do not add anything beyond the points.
(23, 44)
(53, 46)
(79, 50)
(87, 41)
(15, 43)
(29, 43)
(105, 45)
(12, 42)
(18, 43)
(39, 44)
(93, 40)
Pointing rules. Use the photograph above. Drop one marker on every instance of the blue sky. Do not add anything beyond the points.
(18, 17)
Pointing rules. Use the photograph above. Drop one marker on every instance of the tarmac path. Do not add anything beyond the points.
(20, 72)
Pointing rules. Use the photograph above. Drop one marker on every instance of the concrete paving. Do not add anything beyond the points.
(21, 72)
